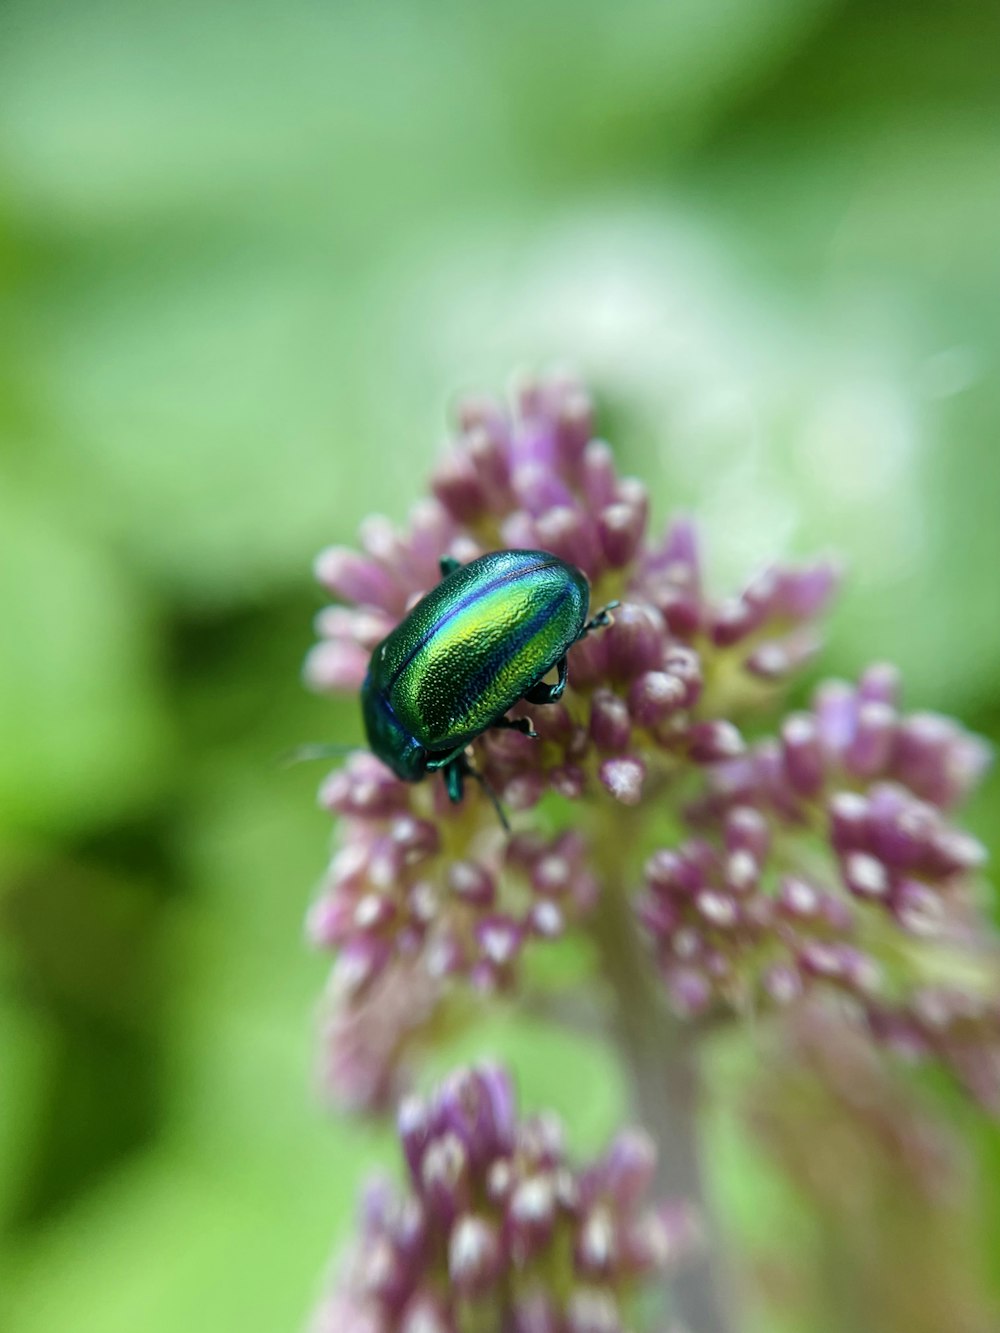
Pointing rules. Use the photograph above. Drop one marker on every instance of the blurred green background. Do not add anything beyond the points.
(249, 252)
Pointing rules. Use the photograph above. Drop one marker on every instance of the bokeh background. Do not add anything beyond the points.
(249, 252)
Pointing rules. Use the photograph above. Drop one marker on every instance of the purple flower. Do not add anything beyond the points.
(495, 1222)
(400, 889)
(419, 885)
(815, 877)
(729, 929)
(539, 479)
(827, 859)
(814, 848)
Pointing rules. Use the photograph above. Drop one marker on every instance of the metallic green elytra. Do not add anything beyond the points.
(477, 644)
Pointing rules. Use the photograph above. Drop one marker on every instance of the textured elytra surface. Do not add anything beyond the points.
(477, 642)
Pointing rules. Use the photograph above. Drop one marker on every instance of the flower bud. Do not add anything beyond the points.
(474, 1257)
(610, 725)
(619, 530)
(711, 742)
(357, 578)
(802, 755)
(458, 487)
(623, 778)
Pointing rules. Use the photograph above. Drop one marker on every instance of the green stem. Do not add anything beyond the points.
(659, 1056)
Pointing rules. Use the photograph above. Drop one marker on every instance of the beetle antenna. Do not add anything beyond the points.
(494, 798)
(304, 753)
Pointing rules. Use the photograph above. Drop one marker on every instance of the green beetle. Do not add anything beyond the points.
(477, 644)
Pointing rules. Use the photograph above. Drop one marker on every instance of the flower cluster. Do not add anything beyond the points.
(496, 1228)
(852, 737)
(417, 884)
(816, 873)
(724, 933)
(767, 630)
(412, 903)
(538, 479)
(823, 856)
(399, 887)
(826, 858)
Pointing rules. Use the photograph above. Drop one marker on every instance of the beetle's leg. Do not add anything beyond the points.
(453, 775)
(448, 564)
(521, 724)
(600, 620)
(548, 694)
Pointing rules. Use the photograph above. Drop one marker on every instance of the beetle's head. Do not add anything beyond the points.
(388, 739)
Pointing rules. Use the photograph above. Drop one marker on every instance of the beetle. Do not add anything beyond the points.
(478, 643)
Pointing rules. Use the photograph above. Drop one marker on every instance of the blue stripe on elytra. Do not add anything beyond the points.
(460, 606)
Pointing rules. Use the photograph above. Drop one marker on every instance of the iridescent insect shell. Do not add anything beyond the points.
(476, 645)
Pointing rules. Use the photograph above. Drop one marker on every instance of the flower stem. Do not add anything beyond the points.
(659, 1058)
